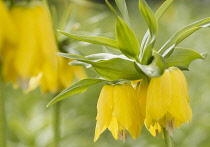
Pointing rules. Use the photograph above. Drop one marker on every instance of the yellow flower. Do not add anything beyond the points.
(7, 31)
(33, 61)
(118, 111)
(35, 51)
(167, 103)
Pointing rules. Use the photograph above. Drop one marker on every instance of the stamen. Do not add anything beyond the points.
(170, 126)
(122, 135)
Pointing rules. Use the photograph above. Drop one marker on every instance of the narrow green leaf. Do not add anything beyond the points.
(163, 8)
(152, 23)
(76, 88)
(155, 68)
(126, 40)
(111, 8)
(121, 4)
(93, 39)
(71, 56)
(146, 39)
(183, 33)
(182, 57)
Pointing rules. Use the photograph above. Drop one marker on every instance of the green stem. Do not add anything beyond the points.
(168, 139)
(56, 124)
(2, 118)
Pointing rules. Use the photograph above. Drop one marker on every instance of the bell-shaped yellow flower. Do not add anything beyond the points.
(35, 51)
(167, 103)
(118, 111)
(33, 60)
(7, 30)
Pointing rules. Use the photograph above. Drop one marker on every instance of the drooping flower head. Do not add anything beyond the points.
(32, 61)
(118, 111)
(167, 101)
(35, 51)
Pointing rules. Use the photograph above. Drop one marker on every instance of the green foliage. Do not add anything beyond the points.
(155, 69)
(126, 40)
(137, 62)
(153, 31)
(158, 15)
(109, 66)
(167, 49)
(76, 88)
(182, 57)
(123, 9)
(93, 39)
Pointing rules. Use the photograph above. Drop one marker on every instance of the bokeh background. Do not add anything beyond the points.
(29, 122)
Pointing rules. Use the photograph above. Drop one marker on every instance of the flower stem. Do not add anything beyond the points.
(168, 139)
(3, 137)
(56, 124)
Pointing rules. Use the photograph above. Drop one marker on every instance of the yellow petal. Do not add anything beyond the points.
(8, 66)
(126, 108)
(155, 130)
(180, 109)
(182, 79)
(65, 73)
(159, 96)
(24, 22)
(48, 79)
(153, 127)
(114, 128)
(104, 110)
(142, 96)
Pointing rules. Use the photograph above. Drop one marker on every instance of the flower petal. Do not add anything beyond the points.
(159, 96)
(180, 108)
(104, 109)
(126, 108)
(114, 128)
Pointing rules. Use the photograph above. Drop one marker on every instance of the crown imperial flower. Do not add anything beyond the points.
(118, 111)
(168, 101)
(35, 50)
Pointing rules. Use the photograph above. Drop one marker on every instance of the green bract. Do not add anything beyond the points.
(137, 61)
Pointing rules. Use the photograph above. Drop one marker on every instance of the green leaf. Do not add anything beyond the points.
(111, 8)
(155, 69)
(93, 39)
(149, 16)
(163, 8)
(167, 49)
(114, 67)
(76, 88)
(121, 4)
(109, 66)
(117, 68)
(182, 57)
(71, 56)
(126, 40)
(146, 39)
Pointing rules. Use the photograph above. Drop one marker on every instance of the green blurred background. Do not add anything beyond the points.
(30, 122)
